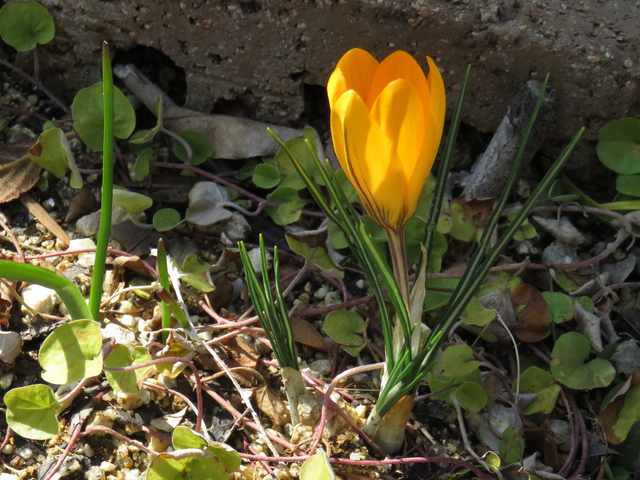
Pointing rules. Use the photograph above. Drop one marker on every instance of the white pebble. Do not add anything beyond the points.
(40, 299)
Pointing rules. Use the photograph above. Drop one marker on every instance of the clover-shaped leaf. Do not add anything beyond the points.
(619, 145)
(166, 219)
(31, 411)
(569, 368)
(121, 356)
(311, 245)
(344, 327)
(207, 201)
(536, 380)
(72, 352)
(53, 153)
(560, 306)
(215, 462)
(25, 24)
(201, 148)
(88, 115)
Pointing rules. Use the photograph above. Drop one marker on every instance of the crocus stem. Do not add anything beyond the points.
(398, 252)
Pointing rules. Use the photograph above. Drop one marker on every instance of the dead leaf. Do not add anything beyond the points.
(533, 319)
(626, 358)
(272, 407)
(133, 264)
(18, 174)
(562, 229)
(83, 203)
(610, 415)
(588, 325)
(243, 352)
(476, 211)
(500, 301)
(305, 333)
(10, 346)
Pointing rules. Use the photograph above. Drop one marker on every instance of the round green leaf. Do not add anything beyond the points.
(344, 326)
(88, 116)
(201, 148)
(141, 167)
(266, 176)
(31, 412)
(72, 352)
(471, 396)
(166, 219)
(121, 356)
(317, 467)
(458, 361)
(569, 368)
(130, 201)
(25, 24)
(629, 184)
(560, 306)
(619, 145)
(289, 214)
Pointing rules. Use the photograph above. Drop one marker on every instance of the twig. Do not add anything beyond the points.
(124, 438)
(37, 84)
(14, 240)
(67, 450)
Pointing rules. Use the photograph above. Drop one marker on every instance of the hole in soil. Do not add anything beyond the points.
(316, 107)
(242, 106)
(250, 7)
(159, 68)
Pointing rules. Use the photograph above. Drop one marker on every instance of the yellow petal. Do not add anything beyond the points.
(399, 113)
(370, 160)
(354, 71)
(399, 65)
(438, 104)
(424, 163)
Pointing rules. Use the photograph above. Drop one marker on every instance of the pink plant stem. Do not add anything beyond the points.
(156, 361)
(564, 470)
(582, 428)
(7, 438)
(67, 450)
(73, 393)
(266, 466)
(327, 399)
(236, 415)
(153, 433)
(377, 463)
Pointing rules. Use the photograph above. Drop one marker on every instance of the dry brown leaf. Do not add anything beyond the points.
(44, 218)
(17, 172)
(272, 407)
(306, 334)
(476, 211)
(10, 346)
(533, 319)
(562, 229)
(610, 414)
(134, 264)
(243, 352)
(588, 325)
(83, 203)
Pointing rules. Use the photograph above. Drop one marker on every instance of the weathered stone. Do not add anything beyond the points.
(270, 59)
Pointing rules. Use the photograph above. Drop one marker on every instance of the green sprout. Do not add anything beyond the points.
(275, 321)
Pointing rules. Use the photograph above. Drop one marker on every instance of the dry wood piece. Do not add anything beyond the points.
(44, 218)
(231, 137)
(490, 176)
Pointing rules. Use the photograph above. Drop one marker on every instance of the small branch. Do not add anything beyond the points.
(37, 84)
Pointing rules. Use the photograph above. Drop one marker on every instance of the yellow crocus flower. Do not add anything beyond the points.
(386, 124)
